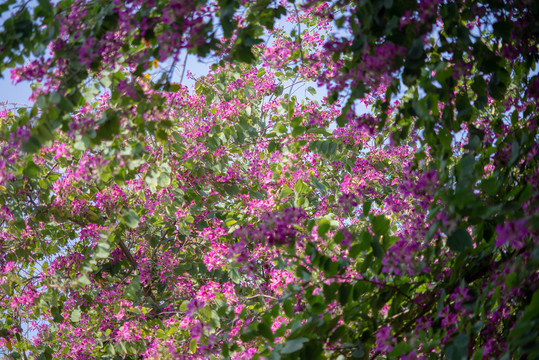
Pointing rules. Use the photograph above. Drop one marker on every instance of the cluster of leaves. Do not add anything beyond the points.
(246, 217)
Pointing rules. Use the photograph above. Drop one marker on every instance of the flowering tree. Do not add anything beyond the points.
(245, 217)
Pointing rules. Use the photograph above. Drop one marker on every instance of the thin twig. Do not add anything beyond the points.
(184, 65)
(387, 286)
(133, 262)
(299, 33)
(261, 295)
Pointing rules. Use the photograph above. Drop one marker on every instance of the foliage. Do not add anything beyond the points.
(247, 217)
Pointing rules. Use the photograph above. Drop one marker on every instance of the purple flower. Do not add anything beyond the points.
(514, 233)
(277, 227)
(348, 202)
(193, 306)
(384, 340)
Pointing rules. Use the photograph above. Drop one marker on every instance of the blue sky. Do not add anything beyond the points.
(20, 93)
(13, 93)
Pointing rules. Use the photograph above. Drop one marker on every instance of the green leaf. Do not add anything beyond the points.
(285, 191)
(7, 288)
(339, 237)
(244, 54)
(524, 333)
(490, 185)
(273, 146)
(205, 313)
(514, 153)
(311, 90)
(106, 81)
(163, 180)
(459, 240)
(265, 331)
(75, 315)
(479, 85)
(84, 280)
(122, 348)
(376, 247)
(466, 166)
(300, 187)
(298, 130)
(110, 127)
(234, 275)
(133, 291)
(416, 51)
(323, 227)
(102, 253)
(32, 170)
(366, 207)
(318, 184)
(303, 273)
(288, 308)
(183, 306)
(31, 145)
(131, 219)
(503, 29)
(380, 225)
(45, 7)
(293, 345)
(400, 349)
(193, 346)
(174, 88)
(459, 349)
(109, 349)
(345, 290)
(226, 14)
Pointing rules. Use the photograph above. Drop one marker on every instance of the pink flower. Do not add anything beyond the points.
(9, 266)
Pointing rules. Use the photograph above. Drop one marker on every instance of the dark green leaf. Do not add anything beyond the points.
(265, 331)
(459, 240)
(380, 225)
(293, 345)
(345, 290)
(298, 130)
(458, 350)
(32, 170)
(416, 51)
(288, 308)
